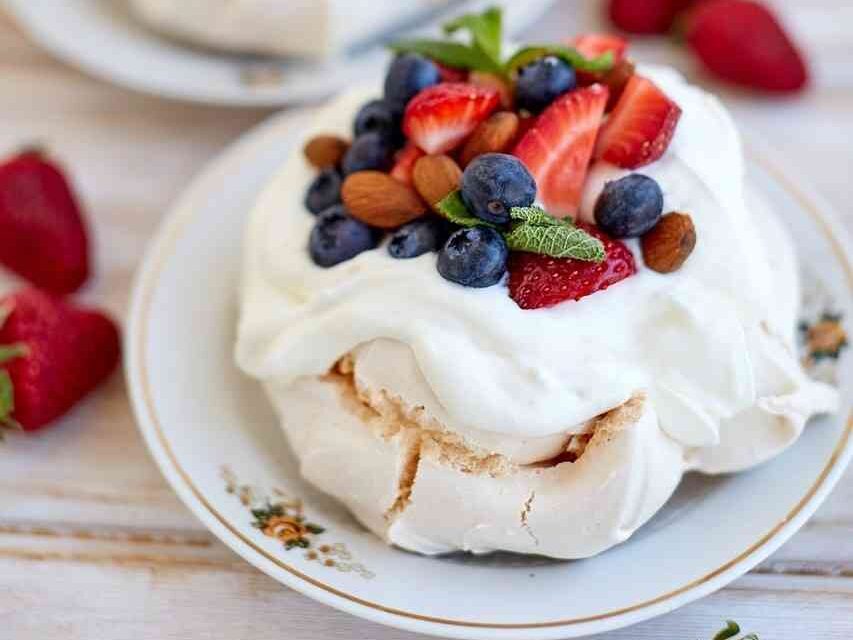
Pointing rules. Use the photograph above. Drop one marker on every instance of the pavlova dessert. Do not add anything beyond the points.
(521, 298)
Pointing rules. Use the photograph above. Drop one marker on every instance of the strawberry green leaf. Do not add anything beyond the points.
(453, 208)
(575, 58)
(12, 351)
(558, 241)
(7, 397)
(453, 54)
(485, 29)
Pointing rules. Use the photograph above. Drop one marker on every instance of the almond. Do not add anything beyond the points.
(669, 243)
(379, 200)
(493, 135)
(325, 150)
(435, 177)
(503, 86)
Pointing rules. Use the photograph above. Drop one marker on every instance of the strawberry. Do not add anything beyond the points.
(443, 115)
(641, 126)
(404, 163)
(558, 147)
(44, 237)
(451, 74)
(537, 280)
(646, 16)
(55, 353)
(743, 42)
(592, 45)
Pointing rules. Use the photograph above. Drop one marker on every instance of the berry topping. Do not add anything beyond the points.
(616, 80)
(743, 42)
(593, 45)
(494, 183)
(418, 237)
(629, 207)
(377, 116)
(646, 16)
(451, 74)
(55, 354)
(324, 191)
(474, 257)
(368, 151)
(537, 281)
(541, 82)
(408, 74)
(558, 147)
(641, 126)
(325, 150)
(43, 237)
(442, 116)
(337, 237)
(670, 243)
(404, 163)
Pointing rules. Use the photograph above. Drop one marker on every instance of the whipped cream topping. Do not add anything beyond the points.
(711, 345)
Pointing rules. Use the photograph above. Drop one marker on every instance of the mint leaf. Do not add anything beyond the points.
(537, 216)
(524, 56)
(453, 54)
(558, 241)
(485, 29)
(453, 208)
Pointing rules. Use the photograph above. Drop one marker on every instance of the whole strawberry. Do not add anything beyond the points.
(54, 353)
(43, 236)
(742, 41)
(537, 281)
(645, 16)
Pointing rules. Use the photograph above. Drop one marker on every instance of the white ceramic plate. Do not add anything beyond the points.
(216, 440)
(102, 38)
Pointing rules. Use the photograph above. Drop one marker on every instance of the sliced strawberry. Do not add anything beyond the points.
(646, 16)
(743, 42)
(443, 115)
(451, 74)
(592, 45)
(404, 163)
(558, 147)
(537, 281)
(641, 126)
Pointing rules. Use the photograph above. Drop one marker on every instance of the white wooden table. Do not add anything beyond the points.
(93, 543)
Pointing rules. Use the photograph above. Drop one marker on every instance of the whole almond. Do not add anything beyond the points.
(503, 86)
(435, 177)
(493, 135)
(669, 243)
(325, 150)
(379, 200)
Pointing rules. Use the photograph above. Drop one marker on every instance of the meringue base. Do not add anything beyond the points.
(425, 489)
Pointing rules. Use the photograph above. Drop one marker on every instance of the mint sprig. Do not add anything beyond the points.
(483, 51)
(731, 630)
(532, 229)
(536, 231)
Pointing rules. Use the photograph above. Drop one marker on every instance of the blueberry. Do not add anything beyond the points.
(629, 207)
(541, 81)
(368, 151)
(337, 237)
(408, 74)
(493, 183)
(325, 190)
(377, 116)
(418, 237)
(474, 257)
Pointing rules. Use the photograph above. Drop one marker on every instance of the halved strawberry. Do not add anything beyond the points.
(443, 115)
(592, 45)
(641, 126)
(558, 147)
(537, 280)
(404, 163)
